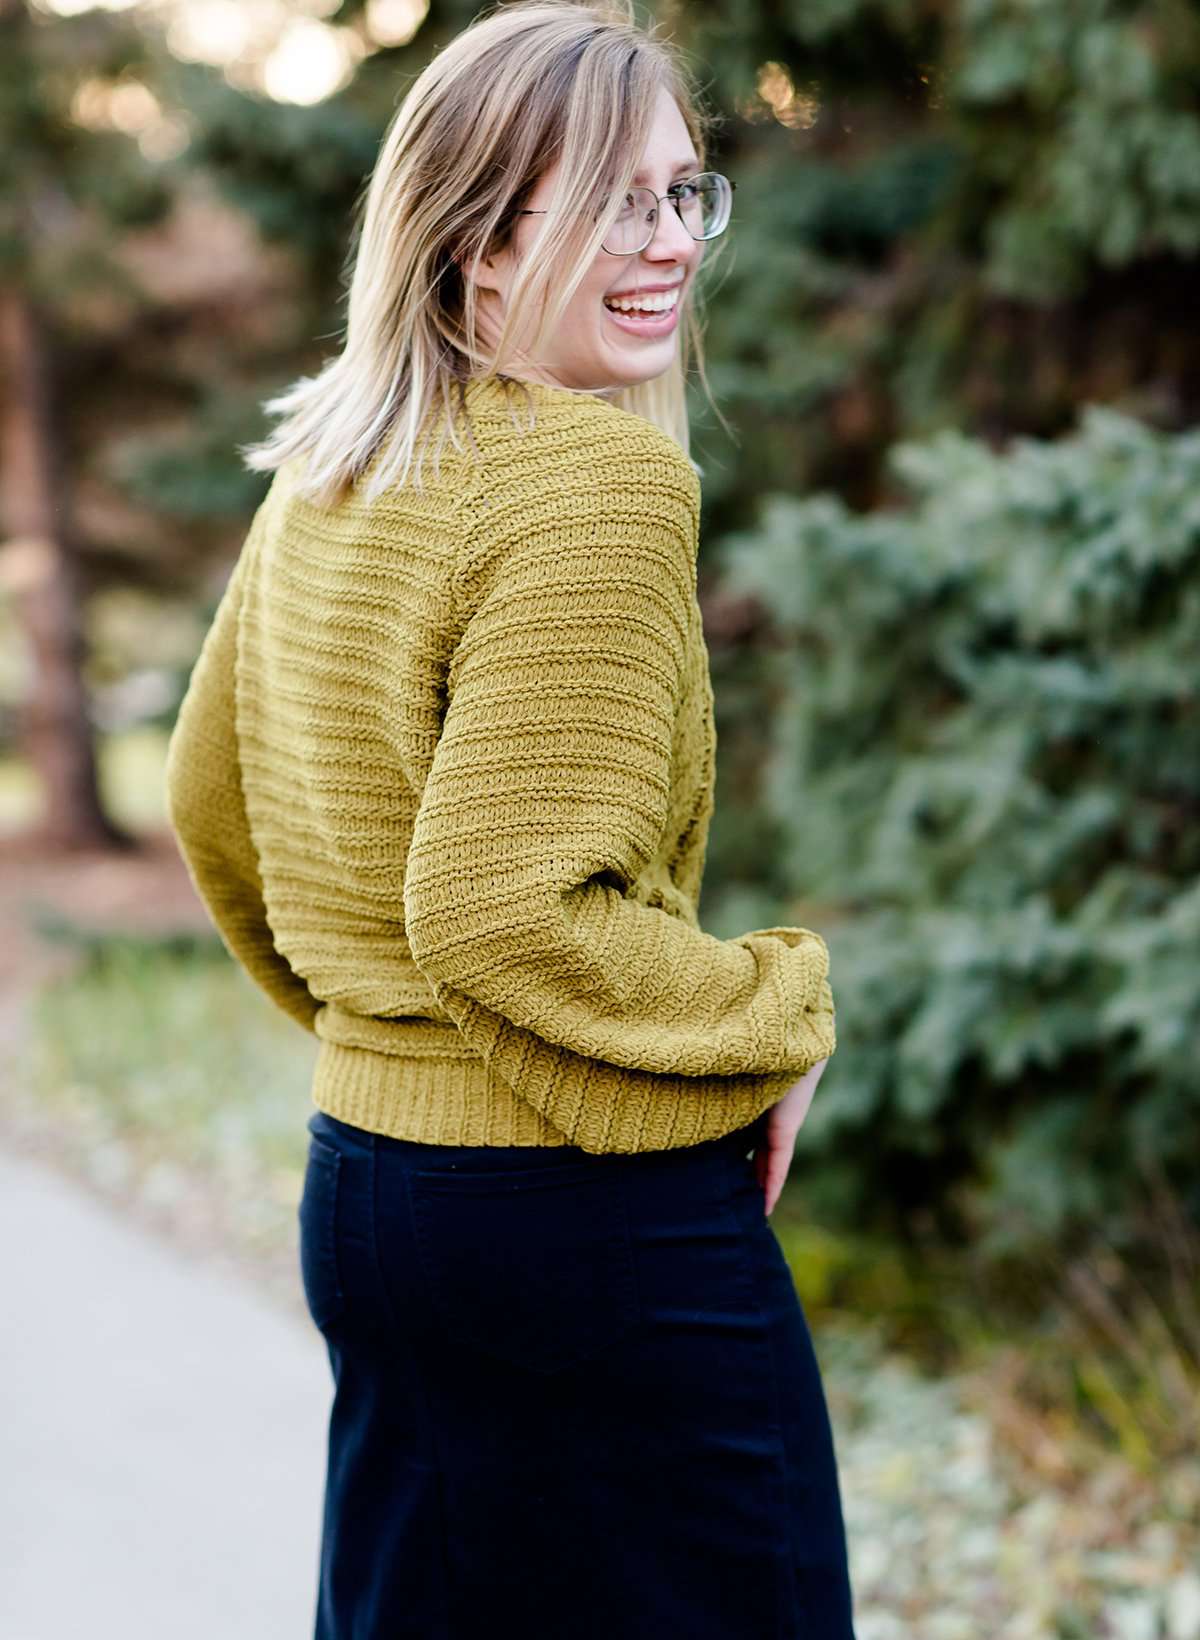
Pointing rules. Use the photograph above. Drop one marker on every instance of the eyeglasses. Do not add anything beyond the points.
(702, 203)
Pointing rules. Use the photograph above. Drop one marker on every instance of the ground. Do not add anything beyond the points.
(146, 890)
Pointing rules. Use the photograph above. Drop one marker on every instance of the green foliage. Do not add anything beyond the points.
(979, 215)
(984, 761)
(67, 195)
(1112, 138)
(293, 171)
(188, 475)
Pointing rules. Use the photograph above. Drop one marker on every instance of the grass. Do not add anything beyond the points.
(177, 1048)
(177, 1080)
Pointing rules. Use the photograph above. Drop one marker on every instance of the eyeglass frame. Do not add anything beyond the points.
(658, 199)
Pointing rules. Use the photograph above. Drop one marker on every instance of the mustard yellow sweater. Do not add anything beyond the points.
(443, 777)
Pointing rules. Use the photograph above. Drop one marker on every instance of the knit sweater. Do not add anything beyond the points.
(443, 777)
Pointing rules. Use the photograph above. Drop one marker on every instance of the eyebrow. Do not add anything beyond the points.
(681, 165)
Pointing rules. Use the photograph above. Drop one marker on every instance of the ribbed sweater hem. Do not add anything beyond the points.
(442, 1100)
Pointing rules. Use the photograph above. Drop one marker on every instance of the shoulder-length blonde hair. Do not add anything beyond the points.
(530, 82)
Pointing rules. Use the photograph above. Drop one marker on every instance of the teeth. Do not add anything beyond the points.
(659, 302)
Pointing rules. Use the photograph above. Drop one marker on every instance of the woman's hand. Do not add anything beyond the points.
(774, 1156)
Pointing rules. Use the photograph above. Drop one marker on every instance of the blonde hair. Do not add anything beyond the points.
(529, 82)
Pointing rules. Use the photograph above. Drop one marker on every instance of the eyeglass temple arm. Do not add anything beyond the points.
(658, 201)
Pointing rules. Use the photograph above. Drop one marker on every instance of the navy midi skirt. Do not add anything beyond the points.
(575, 1397)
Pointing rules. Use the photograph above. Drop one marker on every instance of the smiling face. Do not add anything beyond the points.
(593, 347)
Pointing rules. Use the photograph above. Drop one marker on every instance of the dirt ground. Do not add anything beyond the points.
(146, 890)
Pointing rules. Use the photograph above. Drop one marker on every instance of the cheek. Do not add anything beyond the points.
(588, 306)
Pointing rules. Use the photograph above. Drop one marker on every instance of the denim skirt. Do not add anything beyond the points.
(574, 1397)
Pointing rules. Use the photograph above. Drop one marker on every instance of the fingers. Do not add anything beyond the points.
(763, 1173)
(773, 1157)
(776, 1159)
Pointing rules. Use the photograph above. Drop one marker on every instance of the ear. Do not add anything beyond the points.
(483, 271)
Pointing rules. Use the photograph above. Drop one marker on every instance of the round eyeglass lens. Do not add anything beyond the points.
(702, 203)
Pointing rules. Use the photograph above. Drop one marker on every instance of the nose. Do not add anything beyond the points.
(671, 238)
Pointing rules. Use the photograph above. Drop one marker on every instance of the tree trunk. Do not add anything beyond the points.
(42, 572)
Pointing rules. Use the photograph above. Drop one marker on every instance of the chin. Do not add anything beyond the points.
(635, 372)
(652, 375)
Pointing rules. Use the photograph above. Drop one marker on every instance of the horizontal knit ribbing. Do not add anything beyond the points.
(443, 777)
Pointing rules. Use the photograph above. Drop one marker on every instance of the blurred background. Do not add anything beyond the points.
(950, 574)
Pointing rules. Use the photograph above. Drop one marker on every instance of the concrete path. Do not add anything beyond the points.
(162, 1434)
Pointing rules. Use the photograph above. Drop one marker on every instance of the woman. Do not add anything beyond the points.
(443, 777)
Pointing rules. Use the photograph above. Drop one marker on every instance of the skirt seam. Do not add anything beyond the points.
(787, 1596)
(431, 1423)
